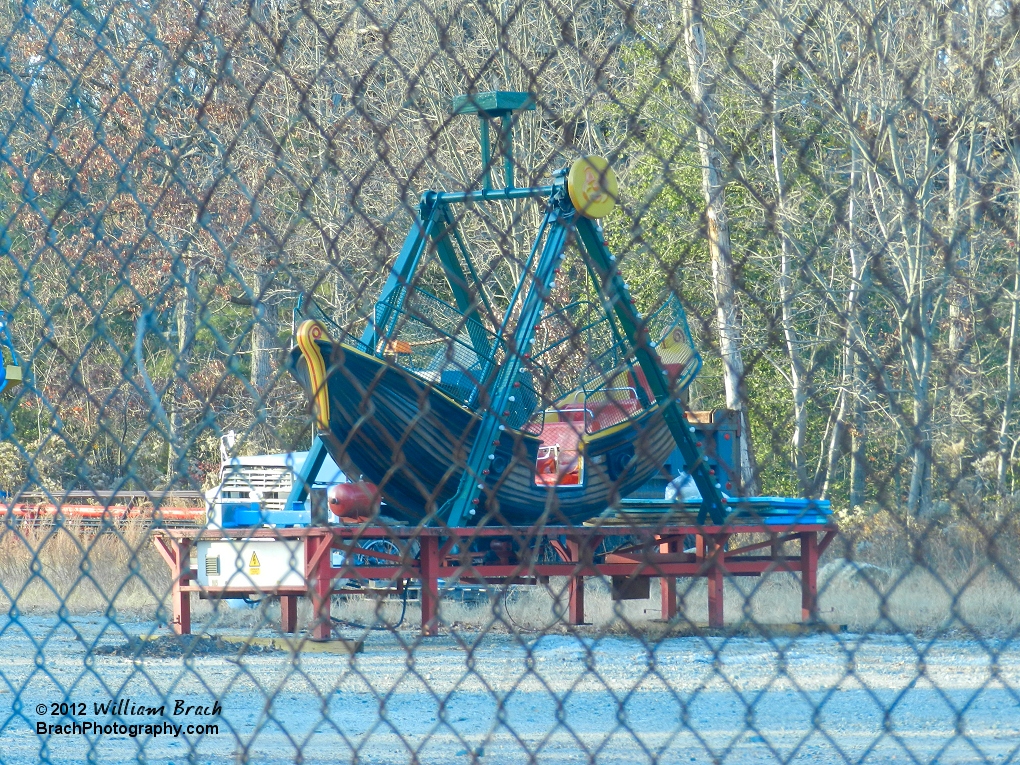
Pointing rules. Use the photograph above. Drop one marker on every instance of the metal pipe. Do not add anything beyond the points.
(507, 134)
(549, 216)
(483, 125)
(489, 195)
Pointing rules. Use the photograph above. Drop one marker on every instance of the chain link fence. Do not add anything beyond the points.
(495, 382)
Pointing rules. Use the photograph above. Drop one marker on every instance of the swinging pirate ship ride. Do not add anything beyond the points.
(552, 413)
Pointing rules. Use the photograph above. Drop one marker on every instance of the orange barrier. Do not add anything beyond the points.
(48, 512)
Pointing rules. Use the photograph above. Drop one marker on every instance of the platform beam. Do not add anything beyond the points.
(429, 576)
(176, 551)
(575, 588)
(809, 577)
(288, 613)
(319, 578)
(667, 584)
(656, 551)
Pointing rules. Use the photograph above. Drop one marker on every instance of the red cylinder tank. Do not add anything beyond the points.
(354, 500)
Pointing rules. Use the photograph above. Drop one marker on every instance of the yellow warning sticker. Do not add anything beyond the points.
(254, 565)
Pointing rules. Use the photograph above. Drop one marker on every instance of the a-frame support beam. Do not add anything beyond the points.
(305, 475)
(463, 295)
(494, 419)
(597, 253)
(394, 291)
(434, 223)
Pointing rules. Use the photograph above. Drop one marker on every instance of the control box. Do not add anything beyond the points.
(256, 564)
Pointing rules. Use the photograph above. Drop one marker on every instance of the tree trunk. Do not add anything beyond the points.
(850, 402)
(713, 185)
(1011, 359)
(1007, 405)
(186, 310)
(920, 476)
(916, 329)
(960, 231)
(798, 387)
(264, 333)
(916, 310)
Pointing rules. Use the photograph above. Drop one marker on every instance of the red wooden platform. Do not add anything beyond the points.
(655, 552)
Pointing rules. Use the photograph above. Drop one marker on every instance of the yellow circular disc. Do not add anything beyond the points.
(591, 184)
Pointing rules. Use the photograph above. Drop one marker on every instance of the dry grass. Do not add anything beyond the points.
(72, 566)
(915, 602)
(900, 577)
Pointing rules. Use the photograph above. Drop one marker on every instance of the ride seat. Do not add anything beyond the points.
(559, 460)
(574, 413)
(606, 414)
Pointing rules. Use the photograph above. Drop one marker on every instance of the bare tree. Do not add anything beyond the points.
(798, 373)
(182, 367)
(1003, 457)
(849, 403)
(718, 230)
(264, 329)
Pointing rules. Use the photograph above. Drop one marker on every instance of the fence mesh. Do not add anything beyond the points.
(438, 381)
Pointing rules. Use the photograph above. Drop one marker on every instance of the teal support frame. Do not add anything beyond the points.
(455, 276)
(560, 224)
(500, 105)
(464, 296)
(406, 264)
(559, 216)
(304, 477)
(433, 223)
(506, 135)
(483, 128)
(562, 220)
(597, 254)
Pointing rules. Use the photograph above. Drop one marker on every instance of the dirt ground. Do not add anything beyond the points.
(516, 698)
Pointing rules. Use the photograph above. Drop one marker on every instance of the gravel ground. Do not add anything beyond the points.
(500, 698)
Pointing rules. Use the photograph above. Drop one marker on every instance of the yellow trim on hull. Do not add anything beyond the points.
(307, 334)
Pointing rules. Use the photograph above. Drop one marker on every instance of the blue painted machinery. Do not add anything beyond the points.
(11, 373)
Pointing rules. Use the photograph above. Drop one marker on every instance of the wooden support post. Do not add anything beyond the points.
(182, 577)
(429, 575)
(808, 576)
(288, 613)
(717, 553)
(830, 535)
(667, 584)
(320, 583)
(575, 606)
(177, 554)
